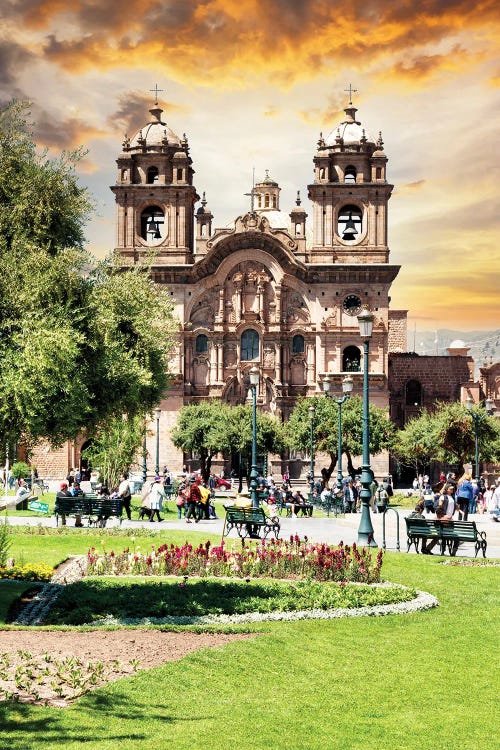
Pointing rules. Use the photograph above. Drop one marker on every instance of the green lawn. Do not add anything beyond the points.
(416, 682)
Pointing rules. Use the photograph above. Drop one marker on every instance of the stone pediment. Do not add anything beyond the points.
(253, 222)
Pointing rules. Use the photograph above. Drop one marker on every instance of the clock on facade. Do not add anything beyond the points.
(352, 304)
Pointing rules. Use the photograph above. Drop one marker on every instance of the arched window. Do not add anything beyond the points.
(201, 344)
(322, 173)
(351, 359)
(298, 344)
(274, 201)
(152, 175)
(266, 201)
(378, 173)
(153, 225)
(413, 393)
(249, 345)
(349, 223)
(350, 174)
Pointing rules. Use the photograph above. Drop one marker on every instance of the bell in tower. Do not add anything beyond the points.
(155, 195)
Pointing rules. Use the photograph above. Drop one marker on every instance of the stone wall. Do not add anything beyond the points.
(440, 379)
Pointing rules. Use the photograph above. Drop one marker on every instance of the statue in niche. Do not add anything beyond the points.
(230, 355)
(269, 356)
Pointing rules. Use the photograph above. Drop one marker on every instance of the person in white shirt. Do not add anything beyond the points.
(125, 494)
(156, 497)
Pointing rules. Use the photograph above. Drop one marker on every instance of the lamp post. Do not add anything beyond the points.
(365, 530)
(347, 386)
(157, 414)
(477, 417)
(312, 411)
(144, 460)
(254, 382)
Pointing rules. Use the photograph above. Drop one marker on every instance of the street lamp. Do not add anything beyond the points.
(347, 386)
(157, 414)
(144, 459)
(312, 411)
(254, 382)
(365, 530)
(477, 417)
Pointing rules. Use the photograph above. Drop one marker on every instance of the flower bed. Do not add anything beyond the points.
(36, 572)
(278, 558)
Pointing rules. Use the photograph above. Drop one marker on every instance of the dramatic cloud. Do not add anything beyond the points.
(129, 116)
(254, 83)
(221, 41)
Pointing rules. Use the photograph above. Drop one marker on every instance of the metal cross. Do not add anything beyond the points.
(156, 91)
(351, 91)
(251, 194)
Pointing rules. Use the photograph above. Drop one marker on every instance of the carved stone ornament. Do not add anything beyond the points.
(330, 320)
(269, 356)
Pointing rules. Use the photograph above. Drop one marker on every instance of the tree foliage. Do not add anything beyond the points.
(448, 434)
(326, 429)
(207, 429)
(80, 341)
(115, 445)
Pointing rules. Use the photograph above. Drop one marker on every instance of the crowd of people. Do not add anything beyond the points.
(470, 495)
(453, 498)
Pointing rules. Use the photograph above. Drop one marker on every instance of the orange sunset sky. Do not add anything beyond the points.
(253, 83)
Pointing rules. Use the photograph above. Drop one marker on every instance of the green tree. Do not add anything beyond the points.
(79, 341)
(115, 446)
(207, 429)
(447, 434)
(326, 429)
(416, 445)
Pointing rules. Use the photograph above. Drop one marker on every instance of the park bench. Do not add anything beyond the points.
(249, 522)
(96, 509)
(448, 533)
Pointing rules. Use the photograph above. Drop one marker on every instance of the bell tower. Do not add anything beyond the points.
(155, 195)
(350, 194)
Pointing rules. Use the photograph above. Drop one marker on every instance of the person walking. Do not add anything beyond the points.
(464, 496)
(125, 494)
(156, 497)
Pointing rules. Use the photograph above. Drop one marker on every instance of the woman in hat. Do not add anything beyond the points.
(156, 497)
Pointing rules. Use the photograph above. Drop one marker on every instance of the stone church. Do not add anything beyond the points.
(267, 290)
(272, 289)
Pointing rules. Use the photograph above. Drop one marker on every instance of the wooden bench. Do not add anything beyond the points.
(96, 509)
(249, 522)
(448, 533)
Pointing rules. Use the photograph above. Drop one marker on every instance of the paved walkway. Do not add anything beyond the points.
(319, 529)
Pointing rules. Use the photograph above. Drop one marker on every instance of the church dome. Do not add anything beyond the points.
(349, 130)
(155, 132)
(457, 344)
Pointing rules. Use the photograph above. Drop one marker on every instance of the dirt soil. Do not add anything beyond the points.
(121, 652)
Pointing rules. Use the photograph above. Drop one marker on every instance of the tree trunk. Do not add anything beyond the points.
(350, 468)
(326, 473)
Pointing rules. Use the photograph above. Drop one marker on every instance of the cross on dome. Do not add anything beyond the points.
(351, 91)
(156, 91)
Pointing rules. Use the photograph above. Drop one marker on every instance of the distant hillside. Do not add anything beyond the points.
(484, 345)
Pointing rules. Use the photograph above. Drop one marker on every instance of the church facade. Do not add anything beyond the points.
(270, 290)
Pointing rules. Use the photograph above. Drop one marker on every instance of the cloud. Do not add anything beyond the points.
(218, 42)
(129, 116)
(413, 185)
(13, 57)
(62, 134)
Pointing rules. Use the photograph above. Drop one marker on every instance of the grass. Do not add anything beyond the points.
(93, 599)
(424, 681)
(10, 591)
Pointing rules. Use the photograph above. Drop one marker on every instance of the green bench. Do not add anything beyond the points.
(249, 522)
(96, 509)
(448, 533)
